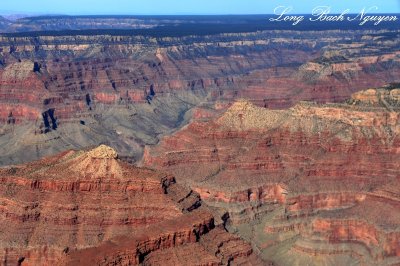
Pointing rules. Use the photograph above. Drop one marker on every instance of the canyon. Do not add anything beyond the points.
(127, 91)
(190, 140)
(88, 207)
(315, 183)
(245, 186)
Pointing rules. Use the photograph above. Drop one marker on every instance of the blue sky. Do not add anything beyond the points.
(186, 6)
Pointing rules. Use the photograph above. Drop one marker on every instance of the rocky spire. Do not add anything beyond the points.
(103, 152)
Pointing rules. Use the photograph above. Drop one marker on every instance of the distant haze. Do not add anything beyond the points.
(179, 7)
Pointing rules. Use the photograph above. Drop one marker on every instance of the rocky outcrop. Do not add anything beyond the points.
(89, 207)
(133, 251)
(313, 180)
(304, 183)
(127, 89)
(388, 97)
(191, 242)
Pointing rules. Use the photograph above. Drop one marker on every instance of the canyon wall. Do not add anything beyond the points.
(309, 184)
(73, 91)
(89, 207)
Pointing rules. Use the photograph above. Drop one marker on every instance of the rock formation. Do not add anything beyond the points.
(88, 207)
(272, 154)
(307, 185)
(128, 90)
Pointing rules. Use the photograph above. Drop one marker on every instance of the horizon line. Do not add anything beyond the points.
(177, 14)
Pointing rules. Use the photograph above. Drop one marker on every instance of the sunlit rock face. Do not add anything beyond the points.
(267, 148)
(73, 91)
(306, 184)
(88, 207)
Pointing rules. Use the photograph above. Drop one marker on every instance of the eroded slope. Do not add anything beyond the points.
(63, 92)
(90, 208)
(307, 185)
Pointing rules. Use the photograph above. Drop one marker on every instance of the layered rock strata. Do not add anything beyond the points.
(89, 206)
(63, 92)
(306, 185)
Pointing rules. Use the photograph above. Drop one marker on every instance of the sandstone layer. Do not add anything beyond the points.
(90, 208)
(306, 185)
(60, 92)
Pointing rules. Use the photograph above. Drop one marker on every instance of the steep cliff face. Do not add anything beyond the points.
(126, 91)
(309, 184)
(83, 207)
(285, 182)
